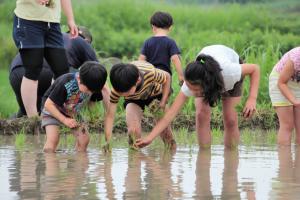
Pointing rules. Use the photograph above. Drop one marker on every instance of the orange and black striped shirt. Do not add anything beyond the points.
(152, 80)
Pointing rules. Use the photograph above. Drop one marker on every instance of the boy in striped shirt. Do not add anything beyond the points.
(139, 83)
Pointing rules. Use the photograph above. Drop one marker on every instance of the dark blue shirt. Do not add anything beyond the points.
(159, 50)
(78, 51)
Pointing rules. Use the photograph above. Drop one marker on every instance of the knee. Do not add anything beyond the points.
(231, 122)
(49, 150)
(33, 71)
(134, 130)
(84, 139)
(288, 126)
(203, 114)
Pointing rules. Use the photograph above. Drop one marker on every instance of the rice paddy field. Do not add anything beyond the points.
(261, 31)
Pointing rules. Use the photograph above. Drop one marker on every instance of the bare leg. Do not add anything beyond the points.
(82, 138)
(167, 136)
(286, 124)
(296, 123)
(230, 120)
(203, 117)
(133, 120)
(29, 96)
(52, 138)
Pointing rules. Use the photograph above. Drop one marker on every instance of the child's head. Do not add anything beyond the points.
(124, 78)
(161, 20)
(203, 77)
(92, 76)
(85, 34)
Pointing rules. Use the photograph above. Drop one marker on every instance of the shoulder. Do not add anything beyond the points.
(63, 79)
(294, 56)
(143, 65)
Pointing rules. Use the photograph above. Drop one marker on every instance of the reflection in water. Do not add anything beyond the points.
(230, 179)
(64, 175)
(286, 185)
(188, 173)
(203, 184)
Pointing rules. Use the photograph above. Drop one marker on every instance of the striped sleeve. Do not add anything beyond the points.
(114, 97)
(160, 76)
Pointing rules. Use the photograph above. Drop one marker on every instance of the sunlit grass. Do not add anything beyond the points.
(20, 139)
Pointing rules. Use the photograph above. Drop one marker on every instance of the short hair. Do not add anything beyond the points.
(206, 72)
(123, 76)
(93, 75)
(161, 20)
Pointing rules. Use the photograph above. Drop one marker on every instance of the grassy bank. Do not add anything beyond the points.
(260, 33)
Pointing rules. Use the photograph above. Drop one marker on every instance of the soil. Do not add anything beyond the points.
(261, 120)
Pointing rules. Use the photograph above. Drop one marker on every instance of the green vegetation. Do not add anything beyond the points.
(183, 138)
(8, 103)
(20, 139)
(260, 33)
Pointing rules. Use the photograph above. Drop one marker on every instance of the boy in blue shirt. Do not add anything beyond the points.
(160, 50)
(64, 99)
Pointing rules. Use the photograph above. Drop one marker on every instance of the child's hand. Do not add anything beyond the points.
(69, 122)
(249, 108)
(162, 105)
(106, 147)
(142, 142)
(180, 80)
(296, 103)
(42, 2)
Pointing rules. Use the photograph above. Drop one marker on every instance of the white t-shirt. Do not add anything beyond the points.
(228, 60)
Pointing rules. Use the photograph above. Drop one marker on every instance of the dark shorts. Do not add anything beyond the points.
(236, 91)
(142, 103)
(28, 34)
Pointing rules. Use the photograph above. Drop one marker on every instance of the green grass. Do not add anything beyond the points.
(8, 103)
(183, 138)
(260, 33)
(20, 139)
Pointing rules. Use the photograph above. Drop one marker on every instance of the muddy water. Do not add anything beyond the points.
(254, 172)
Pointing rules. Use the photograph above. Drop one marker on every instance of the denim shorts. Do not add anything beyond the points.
(47, 120)
(29, 34)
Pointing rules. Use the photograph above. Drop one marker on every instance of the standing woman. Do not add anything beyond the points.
(216, 74)
(284, 90)
(37, 35)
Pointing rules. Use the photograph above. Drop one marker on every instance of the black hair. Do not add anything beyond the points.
(93, 75)
(206, 72)
(123, 76)
(161, 20)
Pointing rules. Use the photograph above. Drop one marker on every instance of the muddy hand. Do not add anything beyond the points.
(69, 122)
(106, 147)
(42, 2)
(249, 108)
(142, 142)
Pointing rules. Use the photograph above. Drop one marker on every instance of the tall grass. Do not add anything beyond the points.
(260, 33)
(8, 104)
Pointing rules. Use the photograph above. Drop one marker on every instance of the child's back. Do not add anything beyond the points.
(159, 50)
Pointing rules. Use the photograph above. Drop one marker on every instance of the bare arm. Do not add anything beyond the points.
(253, 71)
(285, 75)
(68, 11)
(142, 57)
(176, 61)
(105, 93)
(165, 121)
(109, 120)
(165, 90)
(51, 108)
